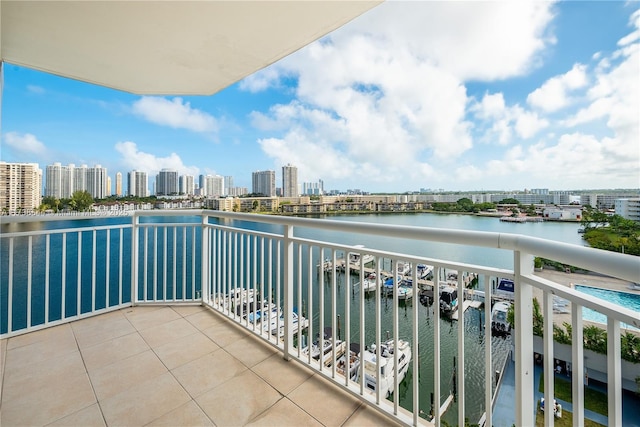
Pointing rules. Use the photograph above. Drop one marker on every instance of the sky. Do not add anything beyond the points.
(459, 96)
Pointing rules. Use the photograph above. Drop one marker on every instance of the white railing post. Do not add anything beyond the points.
(134, 258)
(206, 260)
(288, 290)
(614, 372)
(577, 359)
(525, 405)
(549, 386)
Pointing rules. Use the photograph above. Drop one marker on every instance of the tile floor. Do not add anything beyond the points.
(163, 366)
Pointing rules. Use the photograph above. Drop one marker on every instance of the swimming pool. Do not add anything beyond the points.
(624, 299)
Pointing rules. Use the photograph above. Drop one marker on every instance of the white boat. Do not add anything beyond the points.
(354, 258)
(326, 350)
(240, 300)
(405, 291)
(353, 356)
(425, 272)
(387, 366)
(369, 284)
(271, 324)
(499, 322)
(403, 268)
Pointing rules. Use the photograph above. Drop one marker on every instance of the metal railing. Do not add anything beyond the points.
(307, 297)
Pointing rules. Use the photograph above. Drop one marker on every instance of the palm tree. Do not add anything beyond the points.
(595, 339)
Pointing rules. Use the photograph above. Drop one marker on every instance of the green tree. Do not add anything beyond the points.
(81, 201)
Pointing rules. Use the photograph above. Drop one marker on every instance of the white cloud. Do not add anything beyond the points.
(174, 113)
(38, 90)
(25, 143)
(383, 99)
(134, 159)
(554, 93)
(500, 123)
(528, 124)
(496, 39)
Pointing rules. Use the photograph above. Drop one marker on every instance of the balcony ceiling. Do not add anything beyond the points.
(163, 47)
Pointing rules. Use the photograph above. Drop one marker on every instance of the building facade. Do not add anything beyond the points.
(137, 184)
(59, 181)
(187, 185)
(20, 187)
(290, 181)
(628, 208)
(264, 182)
(167, 182)
(213, 186)
(119, 184)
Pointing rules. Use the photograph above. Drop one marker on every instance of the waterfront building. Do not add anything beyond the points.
(96, 182)
(20, 187)
(264, 182)
(79, 178)
(167, 182)
(213, 186)
(108, 185)
(186, 185)
(119, 184)
(628, 208)
(59, 181)
(137, 184)
(290, 181)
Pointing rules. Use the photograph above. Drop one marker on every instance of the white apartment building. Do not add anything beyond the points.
(213, 186)
(20, 187)
(119, 184)
(59, 181)
(137, 184)
(628, 208)
(187, 185)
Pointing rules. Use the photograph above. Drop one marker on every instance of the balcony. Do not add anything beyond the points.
(144, 320)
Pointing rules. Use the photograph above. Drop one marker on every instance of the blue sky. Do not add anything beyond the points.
(410, 95)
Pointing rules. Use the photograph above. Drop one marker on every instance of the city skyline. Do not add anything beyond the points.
(538, 95)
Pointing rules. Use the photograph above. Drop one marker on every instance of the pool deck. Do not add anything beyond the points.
(572, 279)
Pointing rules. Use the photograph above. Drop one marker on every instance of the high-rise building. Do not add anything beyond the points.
(62, 181)
(167, 182)
(264, 182)
(186, 184)
(119, 184)
(290, 181)
(108, 186)
(313, 188)
(20, 187)
(137, 184)
(213, 186)
(228, 185)
(79, 178)
(59, 181)
(96, 180)
(201, 185)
